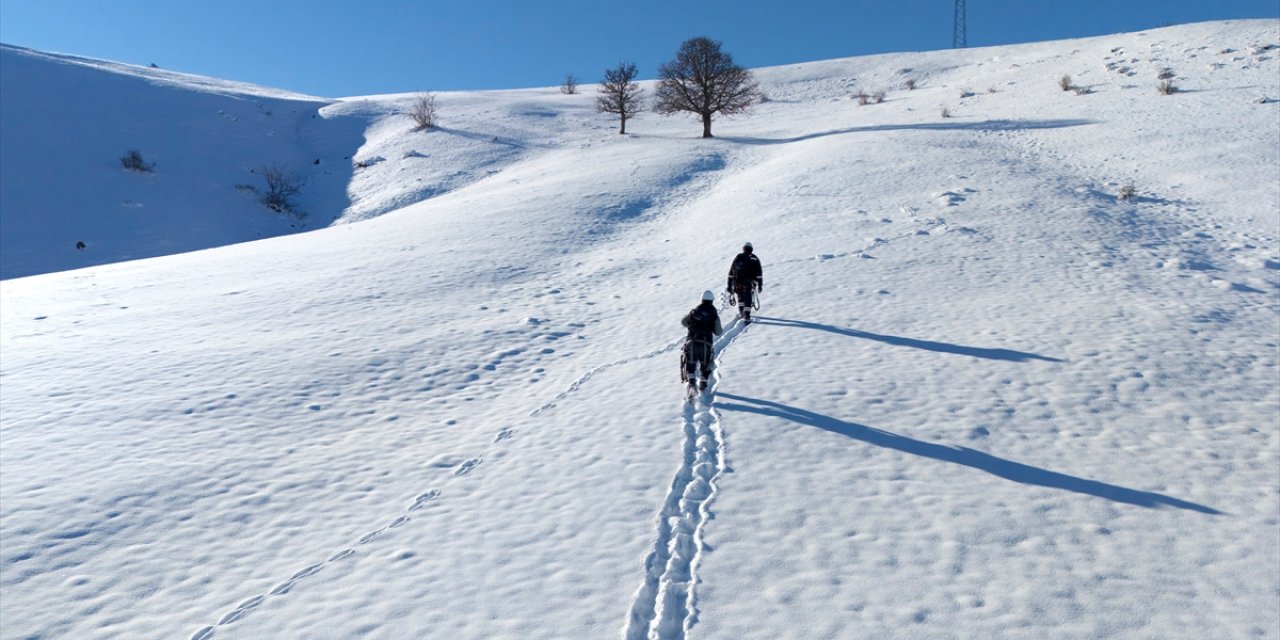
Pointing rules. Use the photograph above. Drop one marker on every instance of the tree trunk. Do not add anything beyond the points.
(706, 125)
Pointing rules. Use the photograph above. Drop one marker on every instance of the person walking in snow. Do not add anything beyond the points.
(697, 358)
(746, 277)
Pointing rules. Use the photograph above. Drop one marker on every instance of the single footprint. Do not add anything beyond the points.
(245, 607)
(467, 466)
(309, 571)
(423, 499)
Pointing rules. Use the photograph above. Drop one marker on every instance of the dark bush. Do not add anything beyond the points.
(133, 162)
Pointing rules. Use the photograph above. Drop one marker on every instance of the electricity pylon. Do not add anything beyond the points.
(958, 35)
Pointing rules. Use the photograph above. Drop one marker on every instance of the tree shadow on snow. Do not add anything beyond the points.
(993, 465)
(928, 345)
(480, 137)
(985, 125)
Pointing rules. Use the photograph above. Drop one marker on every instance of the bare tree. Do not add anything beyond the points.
(423, 111)
(620, 94)
(570, 84)
(282, 186)
(704, 80)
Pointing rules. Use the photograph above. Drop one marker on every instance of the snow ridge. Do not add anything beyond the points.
(665, 607)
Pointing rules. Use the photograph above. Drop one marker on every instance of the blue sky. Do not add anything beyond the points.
(346, 48)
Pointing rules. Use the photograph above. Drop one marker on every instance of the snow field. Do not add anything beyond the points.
(984, 397)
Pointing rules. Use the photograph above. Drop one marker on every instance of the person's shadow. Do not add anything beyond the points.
(993, 465)
(928, 345)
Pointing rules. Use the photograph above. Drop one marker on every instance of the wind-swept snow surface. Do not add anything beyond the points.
(985, 395)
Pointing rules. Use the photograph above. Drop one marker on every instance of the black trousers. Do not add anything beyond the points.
(745, 293)
(696, 353)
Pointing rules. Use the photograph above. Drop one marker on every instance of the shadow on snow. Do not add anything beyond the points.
(481, 137)
(999, 467)
(985, 125)
(928, 345)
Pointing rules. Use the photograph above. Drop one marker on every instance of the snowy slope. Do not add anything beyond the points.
(985, 397)
(68, 121)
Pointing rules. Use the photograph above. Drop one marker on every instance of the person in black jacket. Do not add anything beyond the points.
(746, 277)
(697, 358)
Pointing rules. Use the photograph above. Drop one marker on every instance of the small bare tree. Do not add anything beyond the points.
(282, 186)
(911, 84)
(864, 98)
(1166, 88)
(1064, 83)
(620, 94)
(423, 111)
(570, 84)
(704, 80)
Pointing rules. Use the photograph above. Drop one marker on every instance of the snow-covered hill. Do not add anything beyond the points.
(68, 122)
(986, 396)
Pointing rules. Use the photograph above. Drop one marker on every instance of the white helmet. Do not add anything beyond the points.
(707, 296)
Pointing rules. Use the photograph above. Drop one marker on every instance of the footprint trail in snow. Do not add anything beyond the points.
(665, 606)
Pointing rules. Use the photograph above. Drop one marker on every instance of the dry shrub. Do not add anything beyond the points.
(423, 111)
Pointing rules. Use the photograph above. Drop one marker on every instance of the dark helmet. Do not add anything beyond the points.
(746, 248)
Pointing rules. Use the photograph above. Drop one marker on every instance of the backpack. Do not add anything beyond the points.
(746, 267)
(702, 322)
